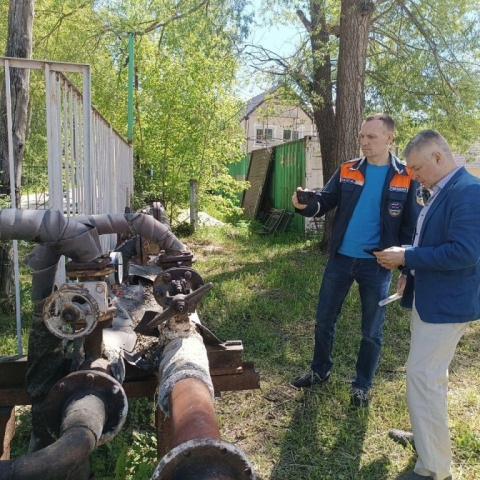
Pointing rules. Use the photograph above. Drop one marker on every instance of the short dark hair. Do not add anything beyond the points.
(427, 138)
(383, 117)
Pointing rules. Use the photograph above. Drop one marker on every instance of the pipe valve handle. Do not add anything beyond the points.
(181, 305)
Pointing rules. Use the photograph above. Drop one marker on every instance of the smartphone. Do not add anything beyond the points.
(371, 250)
(306, 197)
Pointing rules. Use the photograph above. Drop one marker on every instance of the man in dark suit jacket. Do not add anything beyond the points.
(443, 289)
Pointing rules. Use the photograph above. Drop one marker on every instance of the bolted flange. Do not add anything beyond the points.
(90, 381)
(205, 459)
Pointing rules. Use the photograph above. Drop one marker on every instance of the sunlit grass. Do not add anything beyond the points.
(265, 293)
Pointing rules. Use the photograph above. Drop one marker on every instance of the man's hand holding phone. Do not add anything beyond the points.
(302, 198)
(392, 257)
(371, 251)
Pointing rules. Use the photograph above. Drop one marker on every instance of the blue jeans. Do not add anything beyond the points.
(373, 281)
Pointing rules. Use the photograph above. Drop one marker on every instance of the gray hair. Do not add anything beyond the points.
(425, 139)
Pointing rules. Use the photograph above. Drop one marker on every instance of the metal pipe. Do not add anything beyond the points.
(50, 228)
(186, 395)
(81, 428)
(78, 239)
(135, 224)
(192, 415)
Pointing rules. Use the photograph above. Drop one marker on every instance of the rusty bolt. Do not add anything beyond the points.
(167, 277)
(188, 274)
(115, 389)
(90, 378)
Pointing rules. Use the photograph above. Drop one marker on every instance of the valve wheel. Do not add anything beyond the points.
(71, 312)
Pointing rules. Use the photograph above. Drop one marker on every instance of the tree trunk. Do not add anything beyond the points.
(321, 93)
(354, 30)
(19, 45)
(338, 130)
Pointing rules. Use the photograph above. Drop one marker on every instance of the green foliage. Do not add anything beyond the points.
(421, 68)
(186, 113)
(188, 127)
(8, 323)
(3, 26)
(424, 70)
(132, 455)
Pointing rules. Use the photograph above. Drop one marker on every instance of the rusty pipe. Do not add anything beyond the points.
(186, 395)
(81, 428)
(192, 415)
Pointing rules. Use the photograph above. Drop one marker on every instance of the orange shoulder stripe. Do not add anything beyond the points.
(351, 176)
(401, 182)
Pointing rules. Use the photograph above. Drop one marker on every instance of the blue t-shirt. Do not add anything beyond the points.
(363, 230)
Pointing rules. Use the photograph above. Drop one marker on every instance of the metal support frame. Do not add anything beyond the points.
(137, 384)
(85, 154)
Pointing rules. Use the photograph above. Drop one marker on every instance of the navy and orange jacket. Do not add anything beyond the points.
(399, 209)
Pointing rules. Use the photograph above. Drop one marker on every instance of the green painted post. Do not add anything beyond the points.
(130, 87)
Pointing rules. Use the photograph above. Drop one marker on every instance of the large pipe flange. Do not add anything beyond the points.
(91, 382)
(205, 459)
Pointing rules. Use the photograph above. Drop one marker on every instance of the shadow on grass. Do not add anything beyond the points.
(309, 451)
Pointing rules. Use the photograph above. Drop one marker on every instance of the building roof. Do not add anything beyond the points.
(254, 103)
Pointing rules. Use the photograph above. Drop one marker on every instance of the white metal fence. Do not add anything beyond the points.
(90, 166)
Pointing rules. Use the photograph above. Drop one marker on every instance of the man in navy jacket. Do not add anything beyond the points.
(377, 206)
(443, 289)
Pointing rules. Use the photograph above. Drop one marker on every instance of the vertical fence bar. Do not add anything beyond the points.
(70, 173)
(55, 190)
(87, 126)
(79, 156)
(66, 152)
(11, 164)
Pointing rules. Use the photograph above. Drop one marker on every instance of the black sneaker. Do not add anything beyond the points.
(309, 379)
(359, 397)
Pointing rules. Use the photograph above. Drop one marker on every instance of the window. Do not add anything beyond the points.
(290, 135)
(263, 135)
(259, 135)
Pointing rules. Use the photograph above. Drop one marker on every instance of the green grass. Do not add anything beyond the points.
(265, 293)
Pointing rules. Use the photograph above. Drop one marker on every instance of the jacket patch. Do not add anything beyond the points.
(395, 209)
(394, 188)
